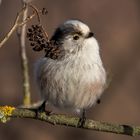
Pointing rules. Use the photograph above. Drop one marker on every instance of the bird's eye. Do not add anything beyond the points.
(76, 37)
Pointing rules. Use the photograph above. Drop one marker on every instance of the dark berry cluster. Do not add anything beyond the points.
(52, 48)
(36, 35)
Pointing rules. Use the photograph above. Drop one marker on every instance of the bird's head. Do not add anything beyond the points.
(73, 35)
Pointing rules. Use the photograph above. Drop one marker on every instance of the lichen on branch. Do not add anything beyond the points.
(7, 112)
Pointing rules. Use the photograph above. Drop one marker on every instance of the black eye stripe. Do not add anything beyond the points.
(64, 31)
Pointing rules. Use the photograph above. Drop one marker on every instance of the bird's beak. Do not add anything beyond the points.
(90, 34)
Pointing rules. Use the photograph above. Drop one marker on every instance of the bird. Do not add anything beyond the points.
(71, 76)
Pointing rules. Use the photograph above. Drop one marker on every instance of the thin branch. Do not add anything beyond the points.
(24, 60)
(7, 112)
(27, 19)
(16, 24)
(36, 11)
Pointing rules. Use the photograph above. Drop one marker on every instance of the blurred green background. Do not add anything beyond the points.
(116, 26)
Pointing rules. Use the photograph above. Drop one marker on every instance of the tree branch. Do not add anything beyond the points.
(16, 24)
(7, 112)
(21, 32)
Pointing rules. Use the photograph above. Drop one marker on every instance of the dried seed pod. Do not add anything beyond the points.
(37, 38)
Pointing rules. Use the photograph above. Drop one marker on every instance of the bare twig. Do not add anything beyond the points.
(7, 112)
(36, 11)
(16, 24)
(24, 60)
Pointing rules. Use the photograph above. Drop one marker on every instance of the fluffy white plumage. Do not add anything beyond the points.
(76, 81)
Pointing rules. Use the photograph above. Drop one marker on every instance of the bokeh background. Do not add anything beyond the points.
(116, 24)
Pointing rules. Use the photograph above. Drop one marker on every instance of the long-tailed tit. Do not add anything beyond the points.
(71, 76)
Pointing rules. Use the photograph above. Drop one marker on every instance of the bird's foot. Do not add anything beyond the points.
(40, 108)
(82, 120)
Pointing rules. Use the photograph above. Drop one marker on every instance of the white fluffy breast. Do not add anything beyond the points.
(75, 82)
